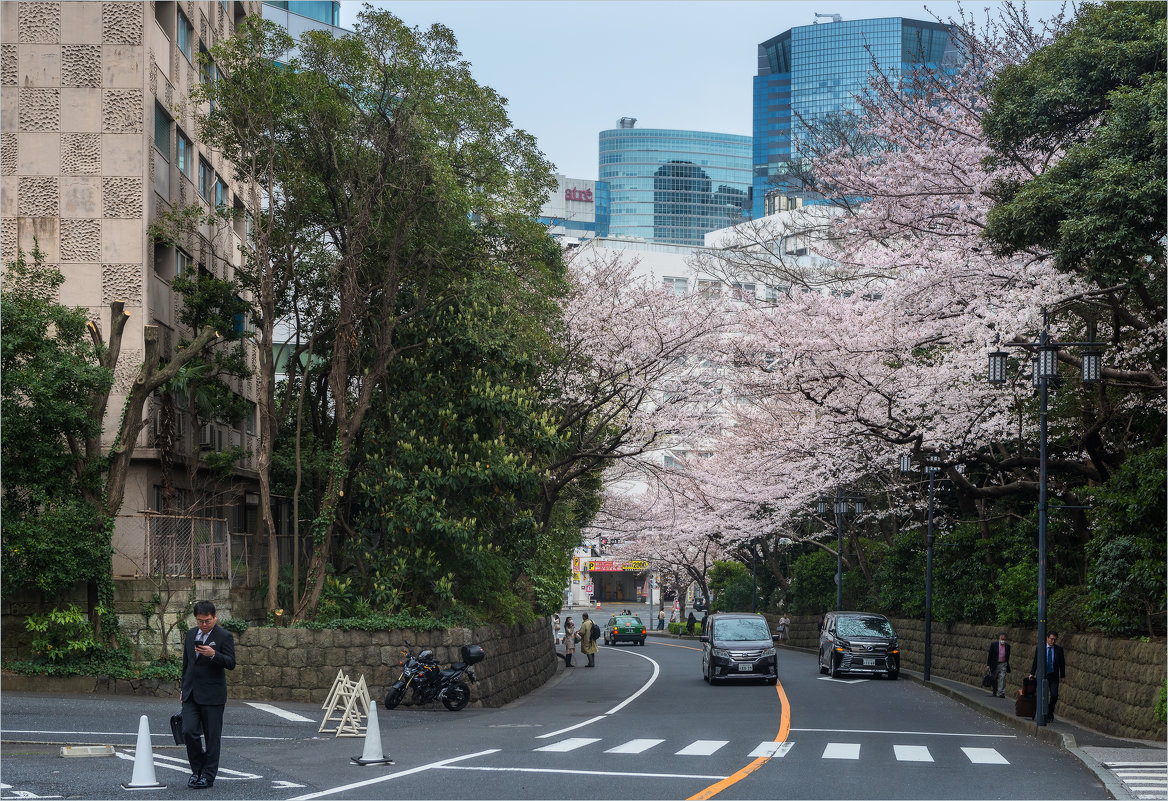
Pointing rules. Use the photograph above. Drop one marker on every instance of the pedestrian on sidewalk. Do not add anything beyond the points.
(589, 636)
(1056, 669)
(690, 622)
(998, 665)
(784, 628)
(556, 628)
(660, 620)
(569, 641)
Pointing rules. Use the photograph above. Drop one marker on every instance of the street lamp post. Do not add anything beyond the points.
(1045, 367)
(932, 467)
(840, 508)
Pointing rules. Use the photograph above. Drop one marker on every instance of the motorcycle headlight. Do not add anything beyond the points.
(720, 652)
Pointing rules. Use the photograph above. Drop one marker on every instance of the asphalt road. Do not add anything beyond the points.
(642, 724)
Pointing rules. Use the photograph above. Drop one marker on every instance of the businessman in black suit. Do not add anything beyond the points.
(208, 652)
(1056, 669)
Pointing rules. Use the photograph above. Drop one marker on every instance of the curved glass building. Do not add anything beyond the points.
(814, 70)
(673, 186)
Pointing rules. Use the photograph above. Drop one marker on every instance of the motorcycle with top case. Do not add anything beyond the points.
(430, 682)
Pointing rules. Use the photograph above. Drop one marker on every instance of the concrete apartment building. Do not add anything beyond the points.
(99, 139)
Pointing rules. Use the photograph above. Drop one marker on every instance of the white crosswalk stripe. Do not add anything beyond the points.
(634, 747)
(985, 756)
(848, 751)
(702, 747)
(771, 749)
(912, 753)
(1144, 780)
(571, 744)
(842, 751)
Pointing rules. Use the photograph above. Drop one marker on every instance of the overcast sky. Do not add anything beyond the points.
(571, 68)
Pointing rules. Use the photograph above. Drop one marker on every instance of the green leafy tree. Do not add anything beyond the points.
(1097, 95)
(1128, 552)
(408, 170)
(53, 538)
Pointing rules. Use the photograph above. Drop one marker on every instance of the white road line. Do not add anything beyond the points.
(281, 713)
(841, 751)
(912, 753)
(571, 744)
(182, 766)
(702, 747)
(985, 756)
(377, 780)
(646, 686)
(771, 749)
(558, 732)
(570, 771)
(639, 746)
(928, 733)
(843, 681)
(129, 734)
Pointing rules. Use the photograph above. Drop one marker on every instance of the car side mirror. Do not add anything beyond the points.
(776, 637)
(703, 638)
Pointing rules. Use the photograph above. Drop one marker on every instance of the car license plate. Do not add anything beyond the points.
(745, 668)
(870, 662)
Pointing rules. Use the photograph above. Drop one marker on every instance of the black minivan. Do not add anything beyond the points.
(858, 642)
(738, 645)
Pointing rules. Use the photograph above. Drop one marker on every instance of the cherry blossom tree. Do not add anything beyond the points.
(887, 353)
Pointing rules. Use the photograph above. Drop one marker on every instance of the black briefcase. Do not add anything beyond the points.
(176, 729)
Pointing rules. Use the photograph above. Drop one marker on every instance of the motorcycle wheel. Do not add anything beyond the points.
(394, 697)
(456, 697)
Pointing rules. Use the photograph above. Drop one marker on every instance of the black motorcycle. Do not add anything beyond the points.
(430, 682)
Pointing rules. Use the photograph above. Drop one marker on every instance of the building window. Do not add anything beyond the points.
(221, 194)
(206, 179)
(182, 263)
(186, 153)
(743, 291)
(186, 36)
(162, 131)
(678, 285)
(709, 288)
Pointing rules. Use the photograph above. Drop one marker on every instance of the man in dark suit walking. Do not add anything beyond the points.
(208, 652)
(998, 665)
(1056, 669)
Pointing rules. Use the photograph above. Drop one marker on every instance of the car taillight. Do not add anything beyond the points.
(642, 629)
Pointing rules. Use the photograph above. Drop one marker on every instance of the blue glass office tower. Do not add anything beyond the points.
(813, 70)
(673, 186)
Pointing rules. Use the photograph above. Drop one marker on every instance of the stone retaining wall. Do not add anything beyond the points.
(280, 664)
(1111, 686)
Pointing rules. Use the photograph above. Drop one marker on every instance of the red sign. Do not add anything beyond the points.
(583, 195)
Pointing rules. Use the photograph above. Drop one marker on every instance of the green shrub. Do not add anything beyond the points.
(1126, 555)
(1067, 610)
(62, 634)
(235, 625)
(115, 663)
(1162, 704)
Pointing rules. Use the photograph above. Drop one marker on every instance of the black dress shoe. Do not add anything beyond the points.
(200, 784)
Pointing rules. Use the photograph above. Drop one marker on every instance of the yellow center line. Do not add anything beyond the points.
(781, 737)
(673, 645)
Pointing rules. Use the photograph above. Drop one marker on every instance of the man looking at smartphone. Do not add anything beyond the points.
(208, 652)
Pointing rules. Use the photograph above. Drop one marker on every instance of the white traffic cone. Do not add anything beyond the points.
(144, 777)
(372, 754)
